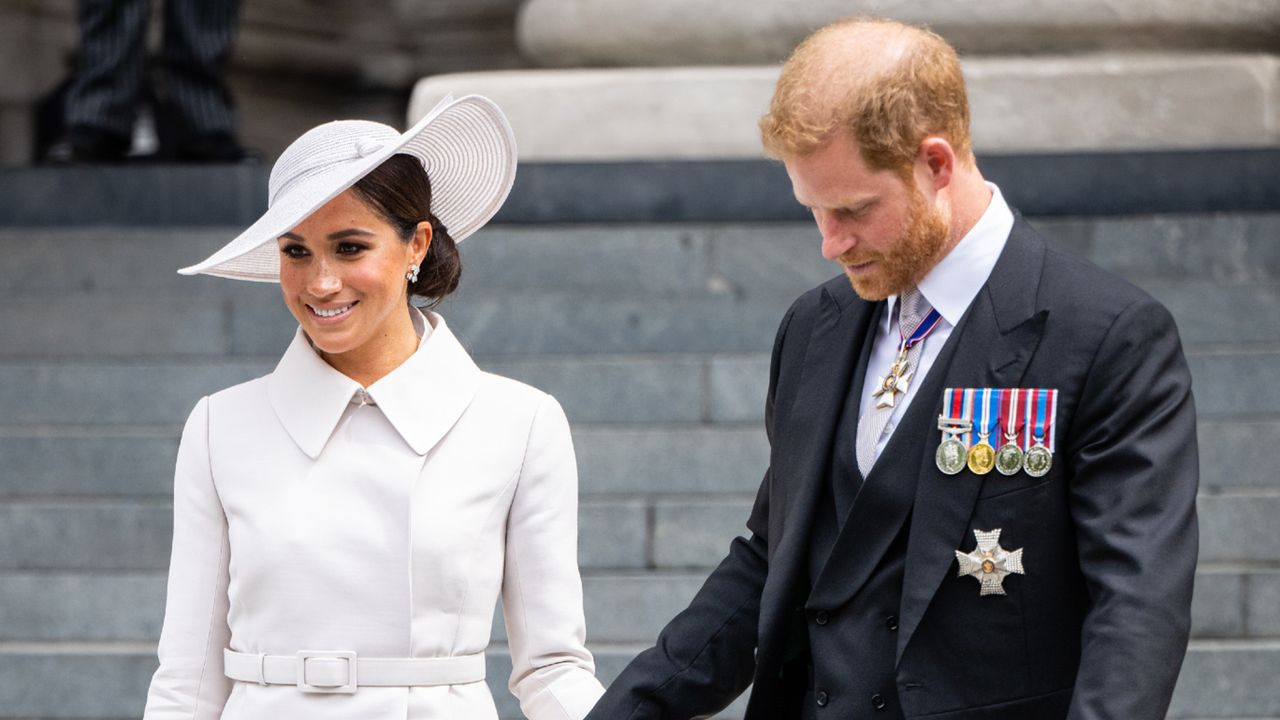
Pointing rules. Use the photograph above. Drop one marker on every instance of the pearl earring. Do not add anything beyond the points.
(412, 275)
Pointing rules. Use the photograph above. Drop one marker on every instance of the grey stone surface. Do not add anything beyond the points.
(576, 325)
(576, 33)
(106, 327)
(738, 388)
(100, 537)
(1228, 679)
(97, 684)
(1263, 604)
(635, 608)
(103, 394)
(696, 533)
(1061, 103)
(1208, 312)
(683, 460)
(1238, 454)
(81, 607)
(1236, 248)
(1218, 605)
(658, 389)
(129, 263)
(612, 534)
(1231, 384)
(1239, 527)
(78, 464)
(627, 261)
(779, 259)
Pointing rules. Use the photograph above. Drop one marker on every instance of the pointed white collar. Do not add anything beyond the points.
(422, 398)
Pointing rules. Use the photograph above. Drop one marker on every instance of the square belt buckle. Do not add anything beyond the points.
(347, 688)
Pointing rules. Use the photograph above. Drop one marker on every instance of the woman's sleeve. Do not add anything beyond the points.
(552, 673)
(189, 683)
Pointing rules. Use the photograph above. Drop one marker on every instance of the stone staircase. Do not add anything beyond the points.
(654, 338)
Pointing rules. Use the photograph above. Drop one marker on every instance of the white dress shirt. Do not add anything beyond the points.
(949, 288)
(312, 514)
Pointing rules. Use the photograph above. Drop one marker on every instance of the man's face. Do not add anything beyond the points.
(882, 230)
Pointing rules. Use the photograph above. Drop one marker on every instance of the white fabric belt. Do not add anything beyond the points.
(327, 671)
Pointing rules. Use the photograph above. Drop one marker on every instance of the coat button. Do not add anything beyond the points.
(891, 622)
(821, 617)
(821, 698)
(877, 701)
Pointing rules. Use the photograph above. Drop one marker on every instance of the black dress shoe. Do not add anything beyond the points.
(87, 146)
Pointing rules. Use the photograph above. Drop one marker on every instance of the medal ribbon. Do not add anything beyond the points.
(968, 414)
(922, 331)
(1009, 409)
(990, 399)
(1046, 408)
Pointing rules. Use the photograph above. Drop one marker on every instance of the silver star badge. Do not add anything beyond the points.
(989, 563)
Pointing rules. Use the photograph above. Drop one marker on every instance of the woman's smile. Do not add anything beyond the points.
(331, 315)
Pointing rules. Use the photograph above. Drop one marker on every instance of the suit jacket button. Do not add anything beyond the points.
(877, 701)
(892, 622)
(821, 617)
(821, 698)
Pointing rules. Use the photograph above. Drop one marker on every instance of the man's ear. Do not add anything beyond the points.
(937, 157)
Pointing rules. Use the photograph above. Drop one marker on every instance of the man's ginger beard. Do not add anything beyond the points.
(918, 248)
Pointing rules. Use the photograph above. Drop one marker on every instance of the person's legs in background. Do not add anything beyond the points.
(196, 116)
(102, 101)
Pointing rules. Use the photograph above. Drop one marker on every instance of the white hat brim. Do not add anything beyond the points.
(466, 146)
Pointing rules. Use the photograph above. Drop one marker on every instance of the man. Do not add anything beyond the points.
(890, 572)
(195, 118)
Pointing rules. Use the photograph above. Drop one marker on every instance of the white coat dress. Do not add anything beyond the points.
(312, 515)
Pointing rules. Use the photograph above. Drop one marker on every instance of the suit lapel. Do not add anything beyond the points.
(805, 452)
(997, 338)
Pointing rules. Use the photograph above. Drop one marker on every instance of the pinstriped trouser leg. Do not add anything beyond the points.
(198, 35)
(104, 95)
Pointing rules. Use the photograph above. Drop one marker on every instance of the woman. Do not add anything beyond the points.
(344, 525)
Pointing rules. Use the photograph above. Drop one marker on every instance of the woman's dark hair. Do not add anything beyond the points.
(400, 192)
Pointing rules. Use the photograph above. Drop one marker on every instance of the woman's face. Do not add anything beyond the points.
(342, 272)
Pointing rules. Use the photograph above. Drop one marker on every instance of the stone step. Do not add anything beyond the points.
(515, 324)
(1220, 679)
(1231, 601)
(578, 33)
(625, 261)
(1094, 101)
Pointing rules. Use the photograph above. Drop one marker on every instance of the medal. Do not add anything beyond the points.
(1009, 456)
(951, 453)
(982, 456)
(989, 563)
(1039, 457)
(899, 378)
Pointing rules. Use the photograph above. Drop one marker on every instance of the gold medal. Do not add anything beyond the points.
(982, 457)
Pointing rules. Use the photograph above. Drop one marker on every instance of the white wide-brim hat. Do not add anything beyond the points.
(466, 146)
